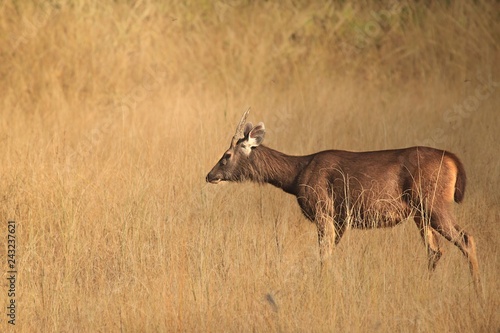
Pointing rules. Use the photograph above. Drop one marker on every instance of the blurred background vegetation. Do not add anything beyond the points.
(112, 113)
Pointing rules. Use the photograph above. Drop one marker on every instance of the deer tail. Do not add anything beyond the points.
(461, 178)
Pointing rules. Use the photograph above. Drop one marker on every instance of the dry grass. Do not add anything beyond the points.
(113, 113)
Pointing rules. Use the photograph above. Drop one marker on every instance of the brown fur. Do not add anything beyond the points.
(338, 189)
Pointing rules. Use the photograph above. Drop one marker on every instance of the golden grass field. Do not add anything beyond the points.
(112, 114)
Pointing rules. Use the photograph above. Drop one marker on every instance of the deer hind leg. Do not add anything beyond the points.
(444, 223)
(431, 241)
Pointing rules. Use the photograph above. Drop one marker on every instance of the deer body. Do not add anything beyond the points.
(339, 189)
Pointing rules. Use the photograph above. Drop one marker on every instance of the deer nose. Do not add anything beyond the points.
(214, 179)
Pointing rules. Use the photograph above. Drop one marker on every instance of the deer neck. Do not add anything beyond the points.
(278, 169)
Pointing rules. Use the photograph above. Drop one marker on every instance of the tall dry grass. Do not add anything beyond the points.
(113, 113)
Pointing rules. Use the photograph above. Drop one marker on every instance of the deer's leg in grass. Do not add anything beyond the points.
(431, 241)
(326, 235)
(444, 223)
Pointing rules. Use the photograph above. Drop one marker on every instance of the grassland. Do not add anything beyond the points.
(112, 113)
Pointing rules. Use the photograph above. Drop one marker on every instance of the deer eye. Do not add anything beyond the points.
(224, 159)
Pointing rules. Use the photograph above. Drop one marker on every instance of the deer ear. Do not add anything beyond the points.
(253, 137)
(248, 128)
(256, 135)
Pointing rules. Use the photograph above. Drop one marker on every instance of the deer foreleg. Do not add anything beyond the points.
(327, 238)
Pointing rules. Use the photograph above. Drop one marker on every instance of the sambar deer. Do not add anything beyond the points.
(338, 189)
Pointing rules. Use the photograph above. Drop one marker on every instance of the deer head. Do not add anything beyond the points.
(236, 162)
